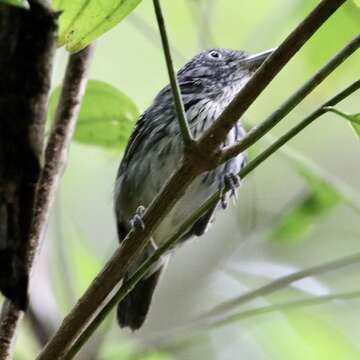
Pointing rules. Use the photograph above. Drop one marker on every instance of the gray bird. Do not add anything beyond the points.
(208, 83)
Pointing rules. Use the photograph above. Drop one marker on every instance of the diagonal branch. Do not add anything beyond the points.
(171, 192)
(280, 283)
(141, 272)
(257, 132)
(291, 305)
(179, 106)
(217, 132)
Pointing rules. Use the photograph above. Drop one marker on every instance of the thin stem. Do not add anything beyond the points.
(214, 136)
(143, 269)
(280, 284)
(180, 336)
(291, 305)
(301, 126)
(179, 106)
(259, 131)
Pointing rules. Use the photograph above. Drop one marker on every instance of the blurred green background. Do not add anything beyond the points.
(285, 220)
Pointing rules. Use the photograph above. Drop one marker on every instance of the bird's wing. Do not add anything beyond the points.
(140, 131)
(135, 140)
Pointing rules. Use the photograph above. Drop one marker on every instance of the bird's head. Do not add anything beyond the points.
(219, 71)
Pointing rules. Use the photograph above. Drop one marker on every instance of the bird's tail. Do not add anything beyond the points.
(132, 310)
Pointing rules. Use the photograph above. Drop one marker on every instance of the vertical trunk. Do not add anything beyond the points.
(27, 38)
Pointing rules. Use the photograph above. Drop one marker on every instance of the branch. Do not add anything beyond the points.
(174, 188)
(301, 126)
(131, 283)
(55, 157)
(59, 142)
(291, 305)
(179, 106)
(293, 100)
(213, 137)
(257, 132)
(27, 45)
(127, 287)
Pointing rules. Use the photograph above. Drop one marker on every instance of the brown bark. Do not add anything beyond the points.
(27, 43)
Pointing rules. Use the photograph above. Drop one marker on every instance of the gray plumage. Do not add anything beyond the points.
(208, 83)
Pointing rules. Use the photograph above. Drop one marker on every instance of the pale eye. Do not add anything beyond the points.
(215, 54)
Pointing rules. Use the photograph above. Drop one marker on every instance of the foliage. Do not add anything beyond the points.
(298, 221)
(83, 21)
(106, 117)
(354, 119)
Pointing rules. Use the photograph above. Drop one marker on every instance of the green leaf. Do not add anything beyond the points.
(19, 3)
(299, 221)
(83, 21)
(106, 116)
(353, 118)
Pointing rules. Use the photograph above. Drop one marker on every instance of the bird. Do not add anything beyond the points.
(208, 83)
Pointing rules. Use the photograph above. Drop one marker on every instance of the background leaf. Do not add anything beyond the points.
(83, 21)
(353, 118)
(14, 2)
(106, 116)
(320, 199)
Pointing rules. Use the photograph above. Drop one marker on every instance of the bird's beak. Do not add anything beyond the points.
(254, 61)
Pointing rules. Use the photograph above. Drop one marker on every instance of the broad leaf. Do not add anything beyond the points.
(320, 199)
(83, 21)
(353, 118)
(106, 116)
(13, 2)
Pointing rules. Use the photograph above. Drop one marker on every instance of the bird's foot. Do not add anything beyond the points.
(136, 222)
(230, 182)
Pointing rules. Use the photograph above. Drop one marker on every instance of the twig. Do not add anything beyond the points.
(174, 188)
(301, 126)
(291, 305)
(182, 336)
(140, 273)
(280, 284)
(179, 106)
(257, 132)
(215, 134)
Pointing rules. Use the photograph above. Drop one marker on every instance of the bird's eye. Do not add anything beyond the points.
(215, 54)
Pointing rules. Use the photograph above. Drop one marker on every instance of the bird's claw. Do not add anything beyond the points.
(136, 222)
(231, 182)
